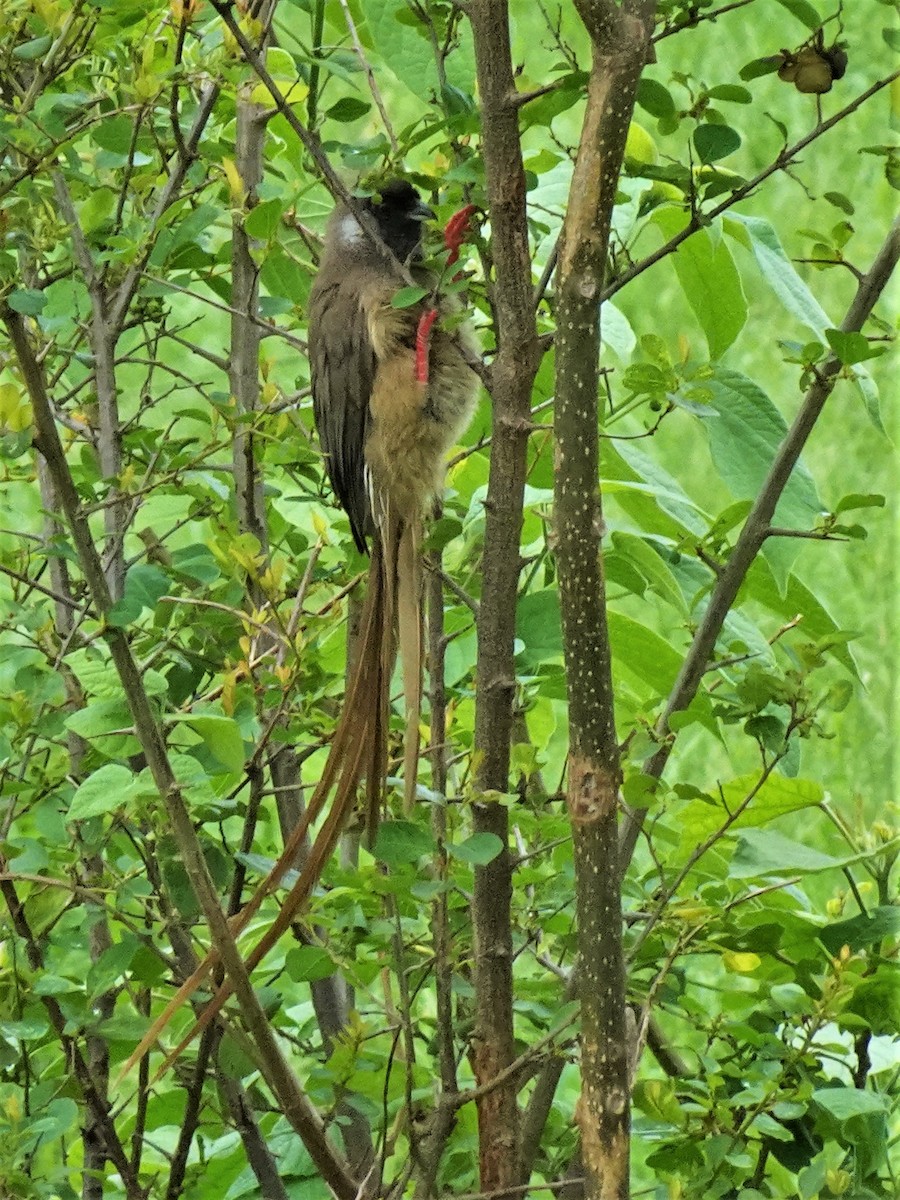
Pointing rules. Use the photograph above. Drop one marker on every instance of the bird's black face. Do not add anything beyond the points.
(400, 211)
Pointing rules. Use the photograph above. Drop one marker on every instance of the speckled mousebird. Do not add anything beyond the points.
(385, 427)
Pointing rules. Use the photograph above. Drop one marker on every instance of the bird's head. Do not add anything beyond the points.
(398, 210)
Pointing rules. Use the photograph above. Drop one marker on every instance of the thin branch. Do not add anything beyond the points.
(781, 163)
(370, 77)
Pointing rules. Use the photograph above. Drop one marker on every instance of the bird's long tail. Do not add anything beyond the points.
(359, 749)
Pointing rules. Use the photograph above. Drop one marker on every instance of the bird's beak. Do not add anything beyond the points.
(421, 212)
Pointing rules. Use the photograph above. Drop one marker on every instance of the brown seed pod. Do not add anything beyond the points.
(814, 75)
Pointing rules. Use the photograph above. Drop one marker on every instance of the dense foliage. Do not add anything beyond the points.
(144, 273)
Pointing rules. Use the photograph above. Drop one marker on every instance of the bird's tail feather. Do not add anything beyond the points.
(359, 748)
(409, 636)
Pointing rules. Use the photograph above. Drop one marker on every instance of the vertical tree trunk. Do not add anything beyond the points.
(511, 382)
(620, 39)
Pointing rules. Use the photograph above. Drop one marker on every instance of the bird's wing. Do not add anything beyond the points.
(343, 365)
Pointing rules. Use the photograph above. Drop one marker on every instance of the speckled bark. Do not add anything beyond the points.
(620, 38)
(511, 381)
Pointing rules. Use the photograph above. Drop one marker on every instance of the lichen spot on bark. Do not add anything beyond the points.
(592, 791)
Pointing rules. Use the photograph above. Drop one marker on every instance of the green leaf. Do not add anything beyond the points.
(651, 567)
(731, 92)
(839, 200)
(745, 430)
(856, 500)
(709, 279)
(107, 724)
(401, 40)
(851, 348)
(478, 850)
(400, 843)
(779, 273)
(765, 852)
(264, 220)
(777, 797)
(651, 658)
(862, 931)
(655, 98)
(103, 792)
(53, 1122)
(868, 392)
(805, 13)
(656, 1098)
(262, 865)
(715, 141)
(408, 296)
(350, 108)
(144, 585)
(114, 134)
(305, 964)
(786, 602)
(34, 48)
(221, 735)
(538, 627)
(280, 277)
(758, 67)
(28, 302)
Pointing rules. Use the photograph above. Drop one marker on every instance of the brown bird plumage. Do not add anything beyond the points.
(385, 435)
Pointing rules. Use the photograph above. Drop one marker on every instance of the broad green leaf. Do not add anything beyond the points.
(479, 849)
(400, 843)
(777, 797)
(851, 348)
(656, 1098)
(765, 852)
(144, 585)
(876, 1001)
(402, 44)
(732, 92)
(348, 108)
(538, 627)
(616, 332)
(221, 735)
(805, 12)
(715, 141)
(107, 724)
(50, 1123)
(651, 658)
(27, 302)
(779, 273)
(103, 792)
(408, 296)
(307, 963)
(655, 98)
(758, 67)
(651, 566)
(280, 277)
(33, 48)
(745, 430)
(113, 963)
(709, 279)
(868, 391)
(796, 599)
(863, 930)
(264, 220)
(648, 493)
(262, 865)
